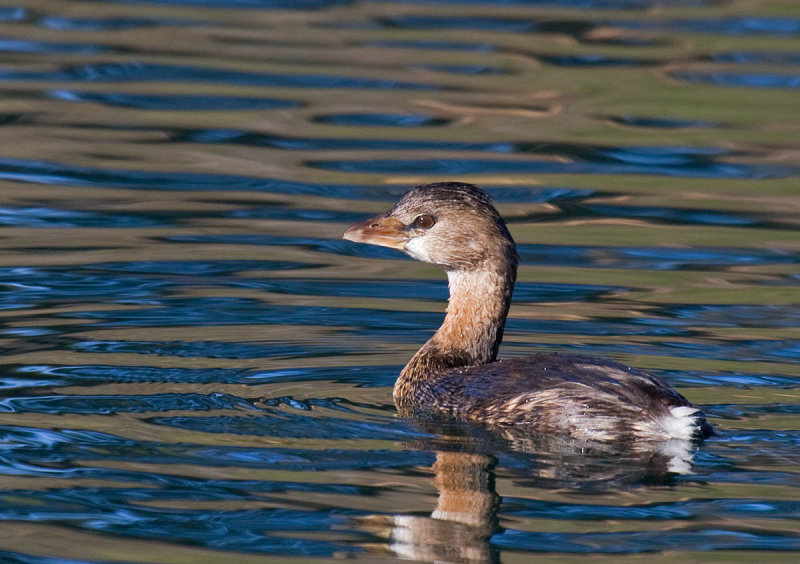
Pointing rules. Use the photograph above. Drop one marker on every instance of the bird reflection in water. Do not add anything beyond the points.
(465, 518)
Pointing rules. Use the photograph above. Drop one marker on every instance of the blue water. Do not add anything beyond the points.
(197, 368)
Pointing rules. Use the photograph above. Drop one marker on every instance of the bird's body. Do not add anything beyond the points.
(584, 397)
(456, 374)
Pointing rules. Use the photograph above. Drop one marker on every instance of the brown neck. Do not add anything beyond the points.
(472, 330)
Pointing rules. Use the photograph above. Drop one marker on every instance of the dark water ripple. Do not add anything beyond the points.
(13, 14)
(107, 405)
(651, 258)
(744, 350)
(381, 120)
(286, 213)
(149, 72)
(770, 26)
(754, 477)
(192, 268)
(741, 80)
(24, 291)
(663, 162)
(10, 45)
(70, 175)
(750, 438)
(290, 426)
(436, 45)
(64, 23)
(682, 510)
(757, 58)
(88, 375)
(494, 24)
(625, 543)
(739, 315)
(674, 216)
(33, 376)
(14, 118)
(569, 4)
(31, 287)
(176, 102)
(661, 123)
(31, 446)
(327, 144)
(49, 217)
(729, 378)
(464, 69)
(594, 61)
(243, 530)
(745, 411)
(247, 4)
(205, 349)
(49, 173)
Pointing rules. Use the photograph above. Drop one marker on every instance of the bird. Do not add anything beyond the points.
(456, 374)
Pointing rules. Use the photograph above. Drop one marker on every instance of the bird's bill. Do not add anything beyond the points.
(383, 231)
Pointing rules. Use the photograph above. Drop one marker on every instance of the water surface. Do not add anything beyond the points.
(195, 367)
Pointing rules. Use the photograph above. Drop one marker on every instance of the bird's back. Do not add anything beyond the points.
(578, 395)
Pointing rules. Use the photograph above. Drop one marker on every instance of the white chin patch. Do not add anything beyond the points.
(416, 250)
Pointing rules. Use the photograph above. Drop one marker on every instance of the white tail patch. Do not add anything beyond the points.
(683, 422)
(677, 430)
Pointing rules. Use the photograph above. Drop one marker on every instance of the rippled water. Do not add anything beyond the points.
(196, 368)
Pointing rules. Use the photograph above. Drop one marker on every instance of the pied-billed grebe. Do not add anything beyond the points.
(455, 373)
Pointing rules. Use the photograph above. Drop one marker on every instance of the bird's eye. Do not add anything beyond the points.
(424, 221)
